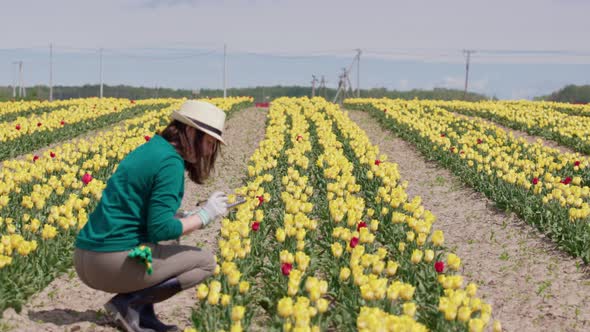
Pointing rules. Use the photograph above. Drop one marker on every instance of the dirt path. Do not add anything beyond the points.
(68, 305)
(531, 285)
(517, 133)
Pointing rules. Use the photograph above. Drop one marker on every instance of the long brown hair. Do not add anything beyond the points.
(191, 150)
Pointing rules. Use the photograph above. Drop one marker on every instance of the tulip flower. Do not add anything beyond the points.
(86, 178)
(286, 268)
(361, 225)
(255, 226)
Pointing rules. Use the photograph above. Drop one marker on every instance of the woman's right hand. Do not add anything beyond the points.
(216, 206)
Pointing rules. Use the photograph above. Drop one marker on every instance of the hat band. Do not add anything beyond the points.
(206, 126)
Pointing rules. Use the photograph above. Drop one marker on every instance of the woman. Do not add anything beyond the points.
(138, 208)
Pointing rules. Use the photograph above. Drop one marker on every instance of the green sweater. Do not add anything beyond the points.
(139, 201)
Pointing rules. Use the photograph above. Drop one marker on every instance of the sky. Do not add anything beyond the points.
(523, 48)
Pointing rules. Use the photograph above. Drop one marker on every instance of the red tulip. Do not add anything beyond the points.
(35, 157)
(439, 266)
(299, 137)
(86, 178)
(256, 226)
(361, 225)
(577, 163)
(452, 148)
(52, 154)
(377, 162)
(260, 200)
(132, 101)
(354, 241)
(17, 127)
(567, 180)
(443, 135)
(286, 268)
(62, 122)
(38, 124)
(479, 141)
(535, 180)
(147, 138)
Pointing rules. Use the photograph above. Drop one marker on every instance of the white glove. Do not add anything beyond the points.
(215, 207)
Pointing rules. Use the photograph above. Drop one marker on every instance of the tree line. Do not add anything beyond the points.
(575, 94)
(260, 93)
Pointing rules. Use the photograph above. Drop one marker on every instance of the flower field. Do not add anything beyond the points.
(332, 236)
(45, 199)
(32, 131)
(329, 239)
(542, 119)
(547, 188)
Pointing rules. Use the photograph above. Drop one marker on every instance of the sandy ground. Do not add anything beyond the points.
(68, 305)
(531, 285)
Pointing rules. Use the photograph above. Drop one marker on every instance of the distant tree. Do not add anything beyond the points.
(575, 94)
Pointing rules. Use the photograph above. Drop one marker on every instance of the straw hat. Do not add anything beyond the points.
(203, 116)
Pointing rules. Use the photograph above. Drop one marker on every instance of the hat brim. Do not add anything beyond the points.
(190, 122)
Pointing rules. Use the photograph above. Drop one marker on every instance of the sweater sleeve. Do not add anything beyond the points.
(166, 196)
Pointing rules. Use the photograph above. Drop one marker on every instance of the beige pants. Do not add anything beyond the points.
(114, 272)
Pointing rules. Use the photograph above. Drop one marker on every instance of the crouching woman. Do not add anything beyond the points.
(118, 249)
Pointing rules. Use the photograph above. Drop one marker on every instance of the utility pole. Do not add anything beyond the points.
(358, 72)
(101, 73)
(51, 72)
(468, 58)
(313, 82)
(14, 81)
(344, 85)
(224, 70)
(21, 89)
(323, 86)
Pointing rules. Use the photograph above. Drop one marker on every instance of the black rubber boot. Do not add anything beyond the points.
(125, 308)
(149, 320)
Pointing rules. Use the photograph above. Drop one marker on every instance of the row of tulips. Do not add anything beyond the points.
(43, 203)
(24, 135)
(11, 110)
(566, 108)
(534, 118)
(545, 187)
(329, 240)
